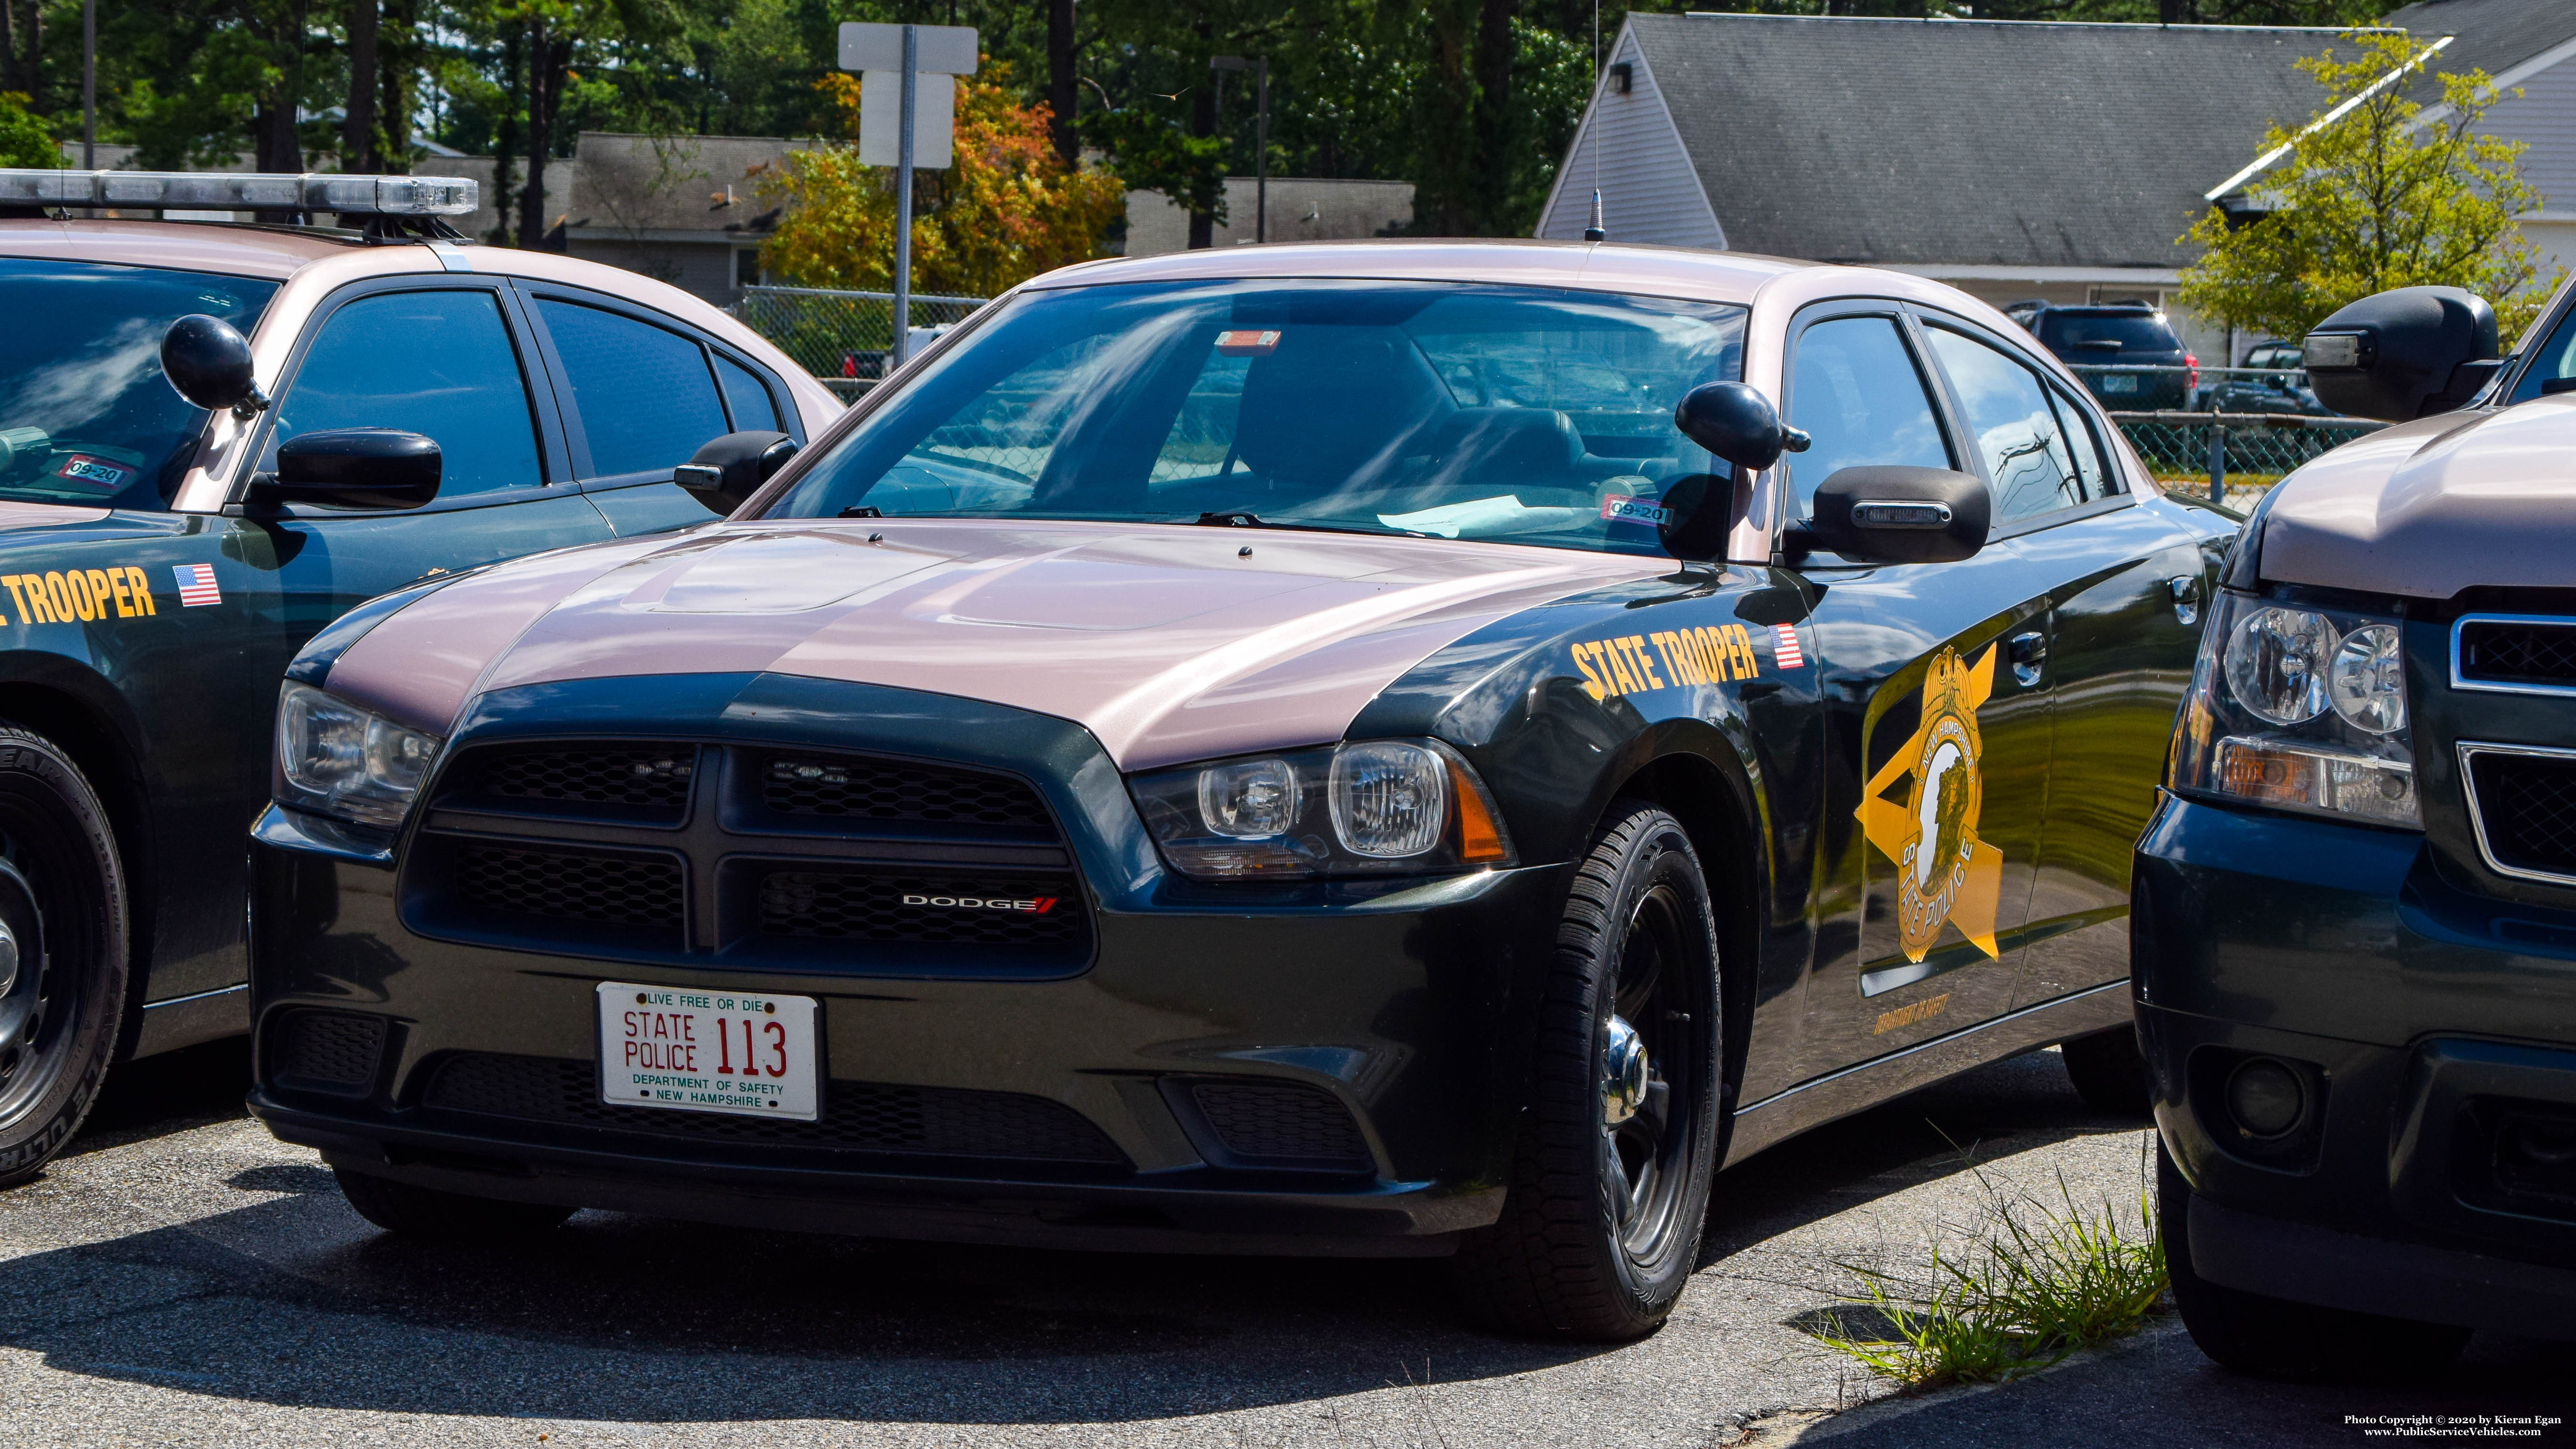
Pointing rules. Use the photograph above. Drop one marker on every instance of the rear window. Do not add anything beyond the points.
(85, 415)
(2107, 333)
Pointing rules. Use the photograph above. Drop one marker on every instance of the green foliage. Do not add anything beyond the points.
(24, 141)
(2033, 1282)
(2384, 196)
(1151, 150)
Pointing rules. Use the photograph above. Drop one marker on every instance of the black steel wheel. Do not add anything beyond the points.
(2110, 1073)
(2255, 1333)
(63, 947)
(1600, 1229)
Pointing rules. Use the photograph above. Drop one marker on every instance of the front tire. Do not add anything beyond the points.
(2278, 1338)
(413, 1211)
(1600, 1229)
(64, 945)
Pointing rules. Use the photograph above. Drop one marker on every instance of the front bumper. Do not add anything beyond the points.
(2426, 1048)
(1058, 1106)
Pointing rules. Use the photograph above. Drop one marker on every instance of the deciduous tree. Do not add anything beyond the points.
(2390, 194)
(1009, 208)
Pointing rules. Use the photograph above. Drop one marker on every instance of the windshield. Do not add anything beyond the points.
(85, 415)
(2108, 334)
(1453, 410)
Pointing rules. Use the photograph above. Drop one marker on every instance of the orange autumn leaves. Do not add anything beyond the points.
(1007, 210)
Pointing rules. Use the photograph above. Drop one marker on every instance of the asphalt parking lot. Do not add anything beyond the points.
(181, 1278)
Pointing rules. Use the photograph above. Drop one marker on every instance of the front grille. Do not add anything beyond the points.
(856, 1116)
(1280, 1122)
(639, 782)
(332, 1050)
(2517, 652)
(624, 890)
(2526, 808)
(846, 905)
(862, 789)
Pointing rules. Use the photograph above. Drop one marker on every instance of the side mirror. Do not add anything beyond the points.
(370, 468)
(2403, 354)
(1738, 424)
(731, 468)
(208, 363)
(1902, 515)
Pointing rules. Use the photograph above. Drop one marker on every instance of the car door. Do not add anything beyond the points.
(447, 361)
(438, 357)
(641, 394)
(2125, 588)
(1936, 718)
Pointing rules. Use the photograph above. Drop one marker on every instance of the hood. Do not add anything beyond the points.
(1168, 643)
(2434, 506)
(15, 514)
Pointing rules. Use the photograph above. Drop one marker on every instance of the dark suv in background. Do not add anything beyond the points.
(2272, 380)
(2126, 353)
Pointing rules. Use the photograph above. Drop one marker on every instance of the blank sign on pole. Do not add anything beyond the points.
(944, 49)
(934, 106)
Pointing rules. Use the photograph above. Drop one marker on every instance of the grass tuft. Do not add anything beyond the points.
(2033, 1282)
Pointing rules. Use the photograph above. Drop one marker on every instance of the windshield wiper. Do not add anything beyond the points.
(1246, 518)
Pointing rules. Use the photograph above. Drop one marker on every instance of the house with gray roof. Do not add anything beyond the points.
(2012, 159)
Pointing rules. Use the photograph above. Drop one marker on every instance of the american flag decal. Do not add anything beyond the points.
(197, 584)
(1785, 652)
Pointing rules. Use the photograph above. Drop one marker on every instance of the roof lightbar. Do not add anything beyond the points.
(220, 191)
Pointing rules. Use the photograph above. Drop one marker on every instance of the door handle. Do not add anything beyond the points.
(2029, 653)
(2186, 597)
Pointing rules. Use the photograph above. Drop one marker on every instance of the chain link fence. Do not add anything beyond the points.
(844, 338)
(2232, 457)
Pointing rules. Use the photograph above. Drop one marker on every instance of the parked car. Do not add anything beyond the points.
(1291, 749)
(163, 559)
(2271, 381)
(2126, 353)
(2355, 911)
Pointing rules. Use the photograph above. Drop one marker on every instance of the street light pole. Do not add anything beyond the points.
(1260, 68)
(903, 203)
(89, 85)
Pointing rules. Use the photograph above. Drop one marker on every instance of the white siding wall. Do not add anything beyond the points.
(2544, 116)
(1627, 148)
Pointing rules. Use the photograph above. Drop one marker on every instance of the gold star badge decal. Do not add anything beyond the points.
(1944, 872)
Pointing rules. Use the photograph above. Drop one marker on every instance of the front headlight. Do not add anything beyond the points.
(2301, 709)
(1372, 807)
(336, 759)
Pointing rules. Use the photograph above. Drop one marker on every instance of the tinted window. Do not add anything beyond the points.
(644, 393)
(2017, 432)
(84, 412)
(1856, 391)
(435, 363)
(746, 396)
(2556, 358)
(1456, 410)
(2108, 332)
(2092, 461)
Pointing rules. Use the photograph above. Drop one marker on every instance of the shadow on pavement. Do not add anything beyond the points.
(170, 1093)
(292, 1301)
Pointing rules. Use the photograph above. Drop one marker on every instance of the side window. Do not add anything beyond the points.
(646, 398)
(746, 396)
(2555, 359)
(2093, 468)
(435, 363)
(1855, 389)
(2017, 433)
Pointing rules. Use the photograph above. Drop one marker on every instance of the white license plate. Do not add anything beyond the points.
(707, 1051)
(2120, 382)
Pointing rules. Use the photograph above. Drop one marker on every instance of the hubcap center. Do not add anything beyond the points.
(8, 957)
(1623, 1074)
